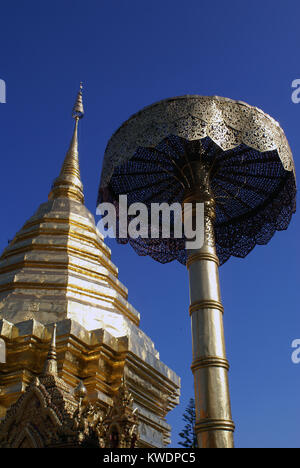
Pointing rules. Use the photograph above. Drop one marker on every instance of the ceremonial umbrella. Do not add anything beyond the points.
(235, 160)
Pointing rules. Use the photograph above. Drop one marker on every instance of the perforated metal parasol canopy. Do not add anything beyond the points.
(245, 151)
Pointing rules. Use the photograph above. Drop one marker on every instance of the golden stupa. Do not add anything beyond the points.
(59, 289)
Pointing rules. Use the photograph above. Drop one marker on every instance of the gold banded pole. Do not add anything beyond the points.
(214, 426)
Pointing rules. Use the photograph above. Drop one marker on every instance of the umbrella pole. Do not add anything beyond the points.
(214, 426)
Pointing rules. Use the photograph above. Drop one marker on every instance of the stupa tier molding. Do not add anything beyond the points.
(58, 266)
(101, 361)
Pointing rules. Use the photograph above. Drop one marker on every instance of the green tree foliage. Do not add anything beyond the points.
(188, 436)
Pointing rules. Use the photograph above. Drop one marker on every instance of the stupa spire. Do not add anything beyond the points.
(68, 184)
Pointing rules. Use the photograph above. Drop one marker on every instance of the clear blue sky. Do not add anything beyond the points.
(130, 54)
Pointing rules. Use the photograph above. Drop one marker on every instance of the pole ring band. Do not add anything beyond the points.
(202, 256)
(206, 304)
(209, 361)
(214, 425)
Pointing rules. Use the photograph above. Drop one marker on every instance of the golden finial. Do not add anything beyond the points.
(51, 361)
(68, 184)
(80, 393)
(78, 111)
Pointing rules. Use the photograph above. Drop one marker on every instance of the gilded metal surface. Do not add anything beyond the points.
(206, 304)
(214, 426)
(227, 122)
(57, 269)
(119, 427)
(99, 360)
(50, 415)
(78, 111)
(215, 433)
(209, 361)
(80, 391)
(215, 148)
(58, 266)
(201, 256)
(51, 361)
(69, 184)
